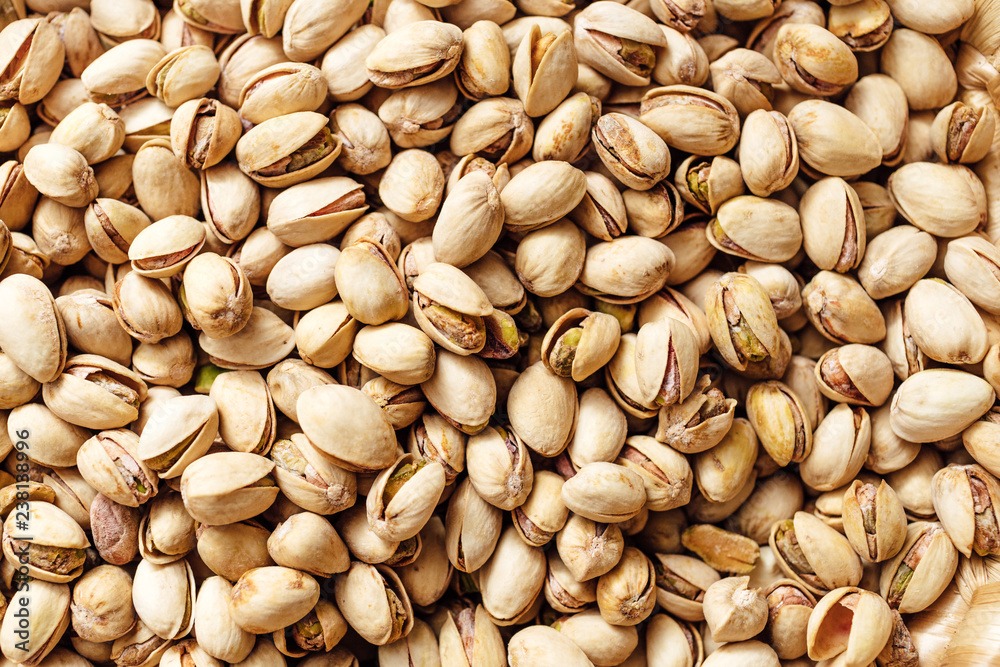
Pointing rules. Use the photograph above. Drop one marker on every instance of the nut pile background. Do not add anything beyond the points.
(478, 333)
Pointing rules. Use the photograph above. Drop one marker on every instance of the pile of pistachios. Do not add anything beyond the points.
(485, 333)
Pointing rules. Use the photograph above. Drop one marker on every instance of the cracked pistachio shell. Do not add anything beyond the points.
(874, 521)
(697, 423)
(972, 264)
(533, 260)
(449, 306)
(167, 531)
(963, 133)
(682, 641)
(840, 448)
(682, 61)
(691, 119)
(288, 150)
(789, 607)
(850, 624)
(768, 152)
(812, 60)
(899, 345)
(43, 629)
(833, 225)
(94, 130)
(91, 326)
(315, 211)
(741, 320)
(681, 582)
(626, 270)
(203, 132)
(399, 352)
(472, 525)
(497, 129)
(607, 32)
(263, 342)
(512, 579)
(622, 380)
(183, 75)
(841, 310)
(118, 76)
(542, 645)
(462, 390)
(469, 222)
(110, 463)
(95, 392)
(895, 260)
(881, 104)
(362, 265)
(666, 359)
(433, 438)
(164, 597)
(780, 420)
(352, 525)
(32, 333)
(18, 204)
(626, 595)
(945, 200)
(374, 603)
(960, 338)
(325, 336)
(580, 343)
(308, 542)
(47, 533)
(855, 374)
(978, 440)
(832, 140)
(604, 492)
(666, 473)
(921, 570)
(537, 392)
(163, 248)
(745, 78)
(541, 194)
(415, 54)
(631, 151)
(111, 227)
(470, 626)
(347, 426)
(31, 58)
(268, 599)
(178, 433)
(826, 555)
(724, 470)
(403, 497)
(564, 133)
(965, 499)
(782, 286)
(563, 592)
(216, 17)
(707, 184)
(863, 26)
(217, 295)
(544, 70)
(264, 17)
(757, 229)
(282, 89)
(218, 635)
(543, 514)
(102, 604)
(246, 411)
(484, 66)
(412, 186)
(310, 480)
(601, 212)
(61, 173)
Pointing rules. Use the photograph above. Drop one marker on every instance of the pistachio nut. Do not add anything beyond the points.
(164, 597)
(512, 579)
(743, 223)
(874, 521)
(544, 70)
(356, 436)
(469, 222)
(681, 582)
(502, 481)
(666, 474)
(666, 361)
(632, 152)
(281, 89)
(44, 629)
(812, 60)
(665, 635)
(227, 487)
(91, 326)
(288, 149)
(167, 531)
(362, 265)
(542, 645)
(95, 392)
(61, 173)
(450, 307)
(94, 130)
(563, 184)
(538, 390)
(403, 496)
(618, 42)
(462, 390)
(895, 260)
(780, 420)
(419, 53)
(626, 594)
(472, 528)
(101, 608)
(308, 542)
(564, 133)
(31, 58)
(33, 336)
(48, 543)
(841, 310)
(177, 434)
(268, 599)
(484, 66)
(964, 500)
(601, 213)
(699, 422)
(691, 119)
(926, 408)
(720, 549)
(832, 140)
(315, 211)
(746, 78)
(543, 513)
(851, 623)
(814, 554)
(921, 570)
(741, 320)
(604, 492)
(625, 270)
(733, 611)
(496, 128)
(110, 463)
(724, 470)
(855, 374)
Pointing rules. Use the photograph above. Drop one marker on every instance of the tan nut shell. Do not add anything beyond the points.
(347, 426)
(221, 488)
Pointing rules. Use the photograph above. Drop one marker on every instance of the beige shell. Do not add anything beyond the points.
(619, 21)
(163, 597)
(563, 186)
(347, 426)
(462, 390)
(411, 507)
(32, 333)
(227, 487)
(86, 402)
(315, 211)
(424, 43)
(666, 359)
(46, 525)
(263, 341)
(267, 599)
(469, 221)
(278, 138)
(163, 248)
(363, 594)
(98, 460)
(178, 433)
(597, 345)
